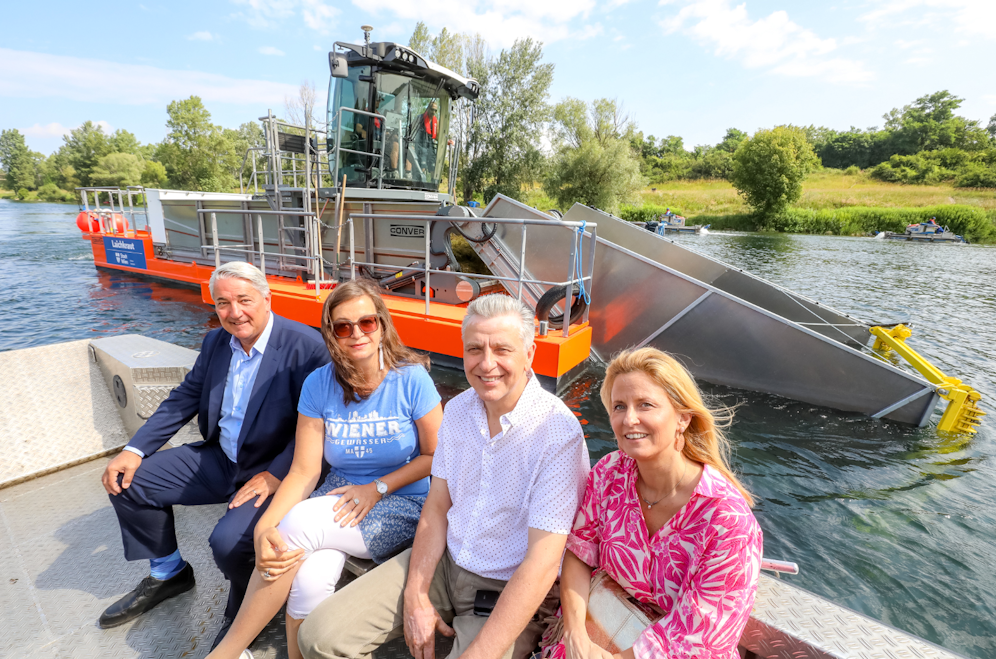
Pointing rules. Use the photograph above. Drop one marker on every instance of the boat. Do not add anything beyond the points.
(71, 405)
(670, 223)
(923, 232)
(363, 198)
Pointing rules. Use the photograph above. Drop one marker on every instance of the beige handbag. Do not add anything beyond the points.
(615, 619)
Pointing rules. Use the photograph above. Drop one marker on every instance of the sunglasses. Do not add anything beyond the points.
(343, 329)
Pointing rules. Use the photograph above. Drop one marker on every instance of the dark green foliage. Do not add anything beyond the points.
(768, 169)
(503, 145)
(966, 168)
(969, 221)
(644, 213)
(594, 163)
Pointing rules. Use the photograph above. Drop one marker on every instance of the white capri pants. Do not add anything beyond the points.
(311, 526)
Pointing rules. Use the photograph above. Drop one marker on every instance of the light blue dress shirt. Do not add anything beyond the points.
(238, 388)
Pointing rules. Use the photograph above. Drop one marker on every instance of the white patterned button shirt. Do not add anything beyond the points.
(529, 475)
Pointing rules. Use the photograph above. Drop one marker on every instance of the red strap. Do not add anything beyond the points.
(431, 130)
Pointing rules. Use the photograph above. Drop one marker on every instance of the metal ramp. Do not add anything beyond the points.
(727, 326)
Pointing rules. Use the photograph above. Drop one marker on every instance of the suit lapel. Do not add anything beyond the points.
(264, 376)
(221, 361)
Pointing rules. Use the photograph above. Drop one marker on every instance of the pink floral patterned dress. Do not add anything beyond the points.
(700, 568)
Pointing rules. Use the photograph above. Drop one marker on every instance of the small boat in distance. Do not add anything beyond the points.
(671, 223)
(929, 231)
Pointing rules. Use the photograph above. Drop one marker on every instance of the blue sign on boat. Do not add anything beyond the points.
(125, 251)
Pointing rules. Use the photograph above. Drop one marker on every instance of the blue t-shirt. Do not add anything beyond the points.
(371, 438)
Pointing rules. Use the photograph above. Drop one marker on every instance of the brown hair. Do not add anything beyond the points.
(705, 440)
(395, 352)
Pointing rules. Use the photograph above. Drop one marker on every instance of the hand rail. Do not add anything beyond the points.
(338, 140)
(520, 279)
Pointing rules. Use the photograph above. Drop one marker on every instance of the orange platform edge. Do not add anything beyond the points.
(438, 332)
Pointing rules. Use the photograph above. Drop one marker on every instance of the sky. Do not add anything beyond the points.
(692, 68)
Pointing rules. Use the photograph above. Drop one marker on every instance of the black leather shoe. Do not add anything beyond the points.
(149, 592)
(226, 624)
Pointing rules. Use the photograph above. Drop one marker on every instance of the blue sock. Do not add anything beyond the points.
(167, 567)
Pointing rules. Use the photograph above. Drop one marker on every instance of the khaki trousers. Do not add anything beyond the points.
(368, 612)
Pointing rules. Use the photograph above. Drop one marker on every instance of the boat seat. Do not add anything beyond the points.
(359, 566)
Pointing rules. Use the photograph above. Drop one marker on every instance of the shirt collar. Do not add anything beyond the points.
(260, 345)
(510, 419)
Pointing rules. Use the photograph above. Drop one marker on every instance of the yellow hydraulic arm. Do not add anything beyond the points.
(963, 413)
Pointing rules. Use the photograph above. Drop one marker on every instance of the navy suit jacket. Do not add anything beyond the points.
(266, 441)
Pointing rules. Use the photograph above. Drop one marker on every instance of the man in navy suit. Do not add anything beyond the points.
(244, 387)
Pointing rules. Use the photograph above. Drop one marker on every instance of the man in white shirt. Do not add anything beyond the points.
(508, 474)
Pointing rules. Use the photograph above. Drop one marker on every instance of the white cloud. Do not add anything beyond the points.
(40, 75)
(55, 129)
(317, 15)
(270, 50)
(201, 36)
(500, 21)
(976, 17)
(775, 42)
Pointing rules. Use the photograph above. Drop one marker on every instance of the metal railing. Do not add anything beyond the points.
(107, 212)
(338, 141)
(312, 239)
(583, 280)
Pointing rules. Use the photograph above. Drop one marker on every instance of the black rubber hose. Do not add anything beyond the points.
(484, 238)
(555, 295)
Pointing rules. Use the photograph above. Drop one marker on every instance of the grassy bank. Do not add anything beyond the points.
(832, 202)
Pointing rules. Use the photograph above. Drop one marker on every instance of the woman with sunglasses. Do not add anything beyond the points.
(373, 414)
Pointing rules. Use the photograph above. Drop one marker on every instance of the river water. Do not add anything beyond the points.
(895, 522)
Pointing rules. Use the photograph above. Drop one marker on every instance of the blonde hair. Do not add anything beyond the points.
(705, 439)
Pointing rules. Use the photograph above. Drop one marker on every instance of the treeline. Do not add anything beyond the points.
(195, 155)
(924, 142)
(516, 142)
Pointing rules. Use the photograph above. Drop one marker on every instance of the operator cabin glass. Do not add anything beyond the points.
(409, 135)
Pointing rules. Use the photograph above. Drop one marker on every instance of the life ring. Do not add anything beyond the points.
(555, 295)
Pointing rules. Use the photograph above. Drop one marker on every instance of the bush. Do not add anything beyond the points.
(644, 213)
(976, 175)
(22, 194)
(51, 192)
(975, 224)
(853, 170)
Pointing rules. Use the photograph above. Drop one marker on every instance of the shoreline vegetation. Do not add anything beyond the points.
(833, 202)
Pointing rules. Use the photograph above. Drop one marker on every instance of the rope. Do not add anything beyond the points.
(578, 269)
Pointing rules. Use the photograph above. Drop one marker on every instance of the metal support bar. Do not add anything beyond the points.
(262, 243)
(909, 399)
(428, 291)
(699, 300)
(214, 240)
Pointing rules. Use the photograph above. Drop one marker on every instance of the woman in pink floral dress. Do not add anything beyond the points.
(666, 518)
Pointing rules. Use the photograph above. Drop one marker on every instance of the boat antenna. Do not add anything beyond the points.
(367, 29)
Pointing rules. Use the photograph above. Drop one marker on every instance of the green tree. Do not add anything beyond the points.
(195, 150)
(247, 136)
(421, 40)
(930, 123)
(13, 152)
(991, 127)
(84, 147)
(503, 142)
(154, 175)
(768, 168)
(124, 142)
(594, 161)
(118, 169)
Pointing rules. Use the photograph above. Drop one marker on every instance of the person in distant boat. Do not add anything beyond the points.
(507, 478)
(373, 414)
(664, 517)
(244, 389)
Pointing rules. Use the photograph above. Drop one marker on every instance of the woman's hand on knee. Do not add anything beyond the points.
(355, 501)
(273, 556)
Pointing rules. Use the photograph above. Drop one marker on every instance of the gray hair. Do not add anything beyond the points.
(240, 270)
(496, 305)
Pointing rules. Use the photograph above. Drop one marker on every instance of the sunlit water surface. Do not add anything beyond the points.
(895, 522)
